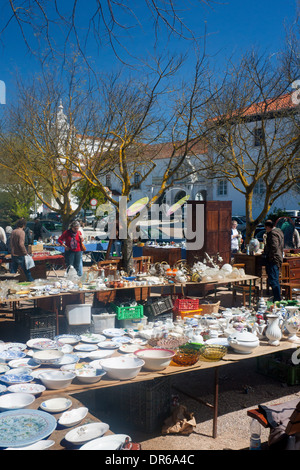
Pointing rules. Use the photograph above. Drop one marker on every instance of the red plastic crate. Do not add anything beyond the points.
(186, 304)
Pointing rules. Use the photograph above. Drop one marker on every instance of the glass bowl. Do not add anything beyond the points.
(187, 355)
(213, 352)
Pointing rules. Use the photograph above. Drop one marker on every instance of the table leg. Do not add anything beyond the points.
(216, 402)
(250, 292)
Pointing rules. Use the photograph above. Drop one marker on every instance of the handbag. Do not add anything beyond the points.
(29, 263)
(83, 248)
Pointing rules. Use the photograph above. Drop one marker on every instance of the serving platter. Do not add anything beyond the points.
(113, 442)
(19, 428)
(34, 389)
(92, 338)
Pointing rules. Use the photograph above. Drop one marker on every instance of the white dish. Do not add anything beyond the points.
(87, 432)
(122, 367)
(129, 348)
(56, 380)
(111, 332)
(56, 405)
(92, 338)
(68, 339)
(73, 417)
(25, 362)
(34, 389)
(36, 373)
(15, 401)
(41, 343)
(113, 442)
(3, 368)
(108, 345)
(219, 341)
(86, 347)
(155, 359)
(89, 376)
(100, 354)
(48, 356)
(121, 339)
(20, 346)
(40, 445)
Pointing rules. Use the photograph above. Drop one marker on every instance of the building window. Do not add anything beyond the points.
(259, 188)
(222, 188)
(108, 181)
(258, 137)
(137, 180)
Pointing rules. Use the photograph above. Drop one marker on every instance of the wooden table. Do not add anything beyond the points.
(58, 435)
(172, 370)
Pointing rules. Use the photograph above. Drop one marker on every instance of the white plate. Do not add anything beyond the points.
(68, 339)
(108, 345)
(100, 354)
(86, 432)
(92, 338)
(129, 348)
(112, 442)
(40, 445)
(73, 417)
(56, 405)
(111, 332)
(86, 347)
(219, 341)
(3, 368)
(25, 362)
(42, 343)
(20, 346)
(121, 339)
(34, 389)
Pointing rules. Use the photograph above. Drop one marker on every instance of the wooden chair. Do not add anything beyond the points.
(292, 427)
(284, 275)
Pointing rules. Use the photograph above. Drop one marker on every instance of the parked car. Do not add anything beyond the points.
(89, 217)
(52, 216)
(50, 228)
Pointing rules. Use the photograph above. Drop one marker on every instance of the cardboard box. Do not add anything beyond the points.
(35, 248)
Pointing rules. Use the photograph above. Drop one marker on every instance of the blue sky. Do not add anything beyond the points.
(233, 26)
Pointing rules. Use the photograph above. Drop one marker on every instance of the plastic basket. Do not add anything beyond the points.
(186, 304)
(279, 367)
(158, 307)
(125, 313)
(187, 313)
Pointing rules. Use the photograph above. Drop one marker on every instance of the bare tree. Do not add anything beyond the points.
(254, 138)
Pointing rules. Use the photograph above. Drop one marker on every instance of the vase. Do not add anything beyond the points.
(292, 325)
(273, 332)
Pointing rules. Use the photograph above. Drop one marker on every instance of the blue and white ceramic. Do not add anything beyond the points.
(92, 338)
(15, 379)
(111, 332)
(86, 347)
(11, 354)
(67, 339)
(19, 428)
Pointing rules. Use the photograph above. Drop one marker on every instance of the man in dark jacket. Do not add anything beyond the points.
(274, 256)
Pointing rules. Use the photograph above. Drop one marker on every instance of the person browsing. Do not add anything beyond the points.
(72, 240)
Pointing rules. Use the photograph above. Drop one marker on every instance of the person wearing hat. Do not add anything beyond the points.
(72, 241)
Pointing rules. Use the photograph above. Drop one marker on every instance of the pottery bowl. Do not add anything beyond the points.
(55, 380)
(89, 376)
(73, 417)
(15, 401)
(187, 354)
(123, 367)
(155, 359)
(48, 356)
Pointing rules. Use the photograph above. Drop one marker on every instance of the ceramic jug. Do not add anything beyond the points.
(273, 332)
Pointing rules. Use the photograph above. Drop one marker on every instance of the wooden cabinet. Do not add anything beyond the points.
(294, 268)
(253, 264)
(215, 227)
(157, 255)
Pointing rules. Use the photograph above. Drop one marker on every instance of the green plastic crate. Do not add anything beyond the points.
(125, 313)
(279, 367)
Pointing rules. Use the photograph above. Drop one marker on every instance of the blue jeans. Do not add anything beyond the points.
(74, 258)
(19, 261)
(273, 278)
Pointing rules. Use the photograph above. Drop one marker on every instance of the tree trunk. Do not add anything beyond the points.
(127, 252)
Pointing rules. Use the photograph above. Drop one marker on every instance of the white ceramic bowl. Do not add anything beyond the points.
(155, 359)
(16, 401)
(123, 367)
(86, 432)
(47, 356)
(89, 376)
(243, 342)
(57, 379)
(73, 417)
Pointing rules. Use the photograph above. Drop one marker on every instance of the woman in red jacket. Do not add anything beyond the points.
(72, 241)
